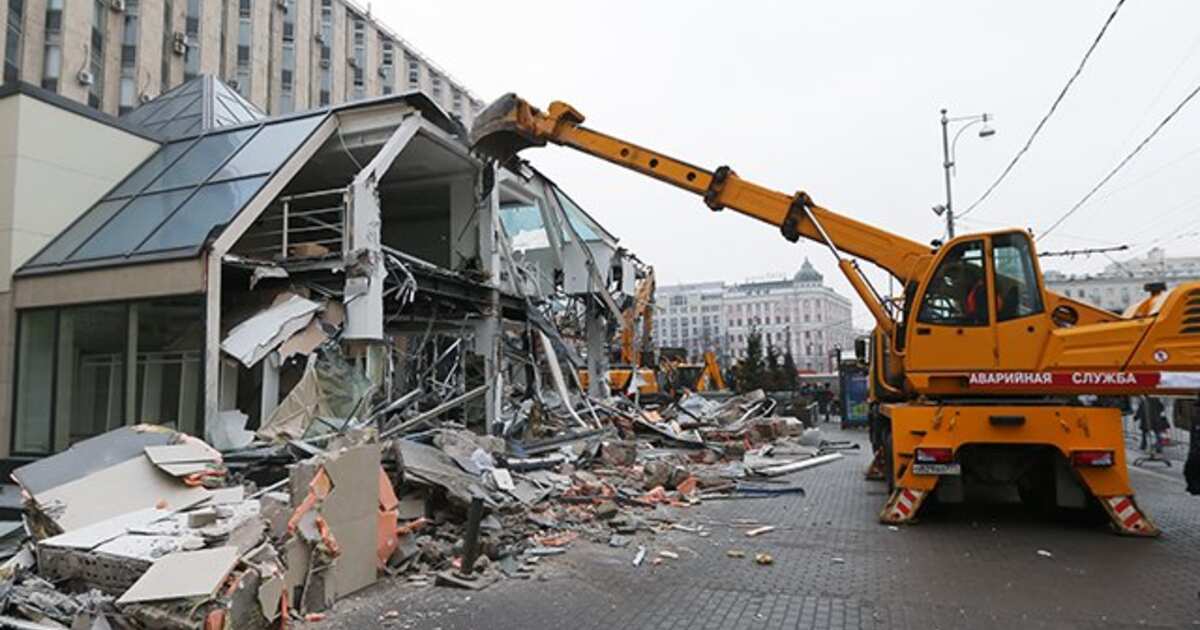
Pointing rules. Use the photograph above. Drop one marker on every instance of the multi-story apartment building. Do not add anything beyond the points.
(1122, 284)
(799, 314)
(281, 55)
(689, 316)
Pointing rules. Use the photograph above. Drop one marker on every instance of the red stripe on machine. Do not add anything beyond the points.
(1123, 505)
(1064, 380)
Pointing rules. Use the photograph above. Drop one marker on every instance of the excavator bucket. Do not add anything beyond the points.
(502, 129)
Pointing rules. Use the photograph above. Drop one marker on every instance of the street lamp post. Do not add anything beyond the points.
(948, 152)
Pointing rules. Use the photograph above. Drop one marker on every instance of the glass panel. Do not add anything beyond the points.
(150, 169)
(957, 294)
(524, 226)
(213, 205)
(1017, 293)
(133, 224)
(270, 148)
(35, 376)
(578, 220)
(170, 344)
(66, 243)
(90, 385)
(202, 160)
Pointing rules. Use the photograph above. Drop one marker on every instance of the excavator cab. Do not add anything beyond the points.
(980, 308)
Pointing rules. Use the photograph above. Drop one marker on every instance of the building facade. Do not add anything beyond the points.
(799, 314)
(1122, 284)
(281, 55)
(691, 316)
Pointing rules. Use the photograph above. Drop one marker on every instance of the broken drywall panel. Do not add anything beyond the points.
(185, 452)
(351, 510)
(256, 337)
(132, 485)
(90, 455)
(227, 496)
(185, 469)
(99, 533)
(183, 575)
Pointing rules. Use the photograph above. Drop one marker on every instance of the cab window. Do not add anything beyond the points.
(1017, 292)
(958, 294)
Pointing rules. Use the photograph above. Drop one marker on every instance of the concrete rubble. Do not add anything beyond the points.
(353, 479)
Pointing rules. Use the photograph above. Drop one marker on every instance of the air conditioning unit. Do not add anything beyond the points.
(320, 37)
(324, 63)
(85, 77)
(383, 72)
(353, 62)
(180, 43)
(282, 4)
(145, 97)
(117, 5)
(233, 83)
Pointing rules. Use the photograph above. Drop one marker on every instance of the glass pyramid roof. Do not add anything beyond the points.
(199, 105)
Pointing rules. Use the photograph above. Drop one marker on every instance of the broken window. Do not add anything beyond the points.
(524, 226)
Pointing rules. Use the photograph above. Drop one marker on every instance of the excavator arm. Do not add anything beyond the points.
(511, 124)
(639, 308)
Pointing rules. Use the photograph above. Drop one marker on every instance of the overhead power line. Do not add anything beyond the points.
(1071, 253)
(1053, 106)
(1141, 145)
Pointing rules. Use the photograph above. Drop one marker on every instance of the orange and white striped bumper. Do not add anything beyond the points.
(902, 506)
(1127, 519)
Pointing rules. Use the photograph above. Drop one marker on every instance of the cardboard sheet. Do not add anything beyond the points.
(183, 575)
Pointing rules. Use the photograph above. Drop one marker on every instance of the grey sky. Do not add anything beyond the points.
(841, 99)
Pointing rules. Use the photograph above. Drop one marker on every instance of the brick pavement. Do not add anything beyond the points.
(836, 567)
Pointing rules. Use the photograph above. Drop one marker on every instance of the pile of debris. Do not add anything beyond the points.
(147, 527)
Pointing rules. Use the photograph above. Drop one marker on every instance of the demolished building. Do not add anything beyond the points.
(262, 362)
(194, 291)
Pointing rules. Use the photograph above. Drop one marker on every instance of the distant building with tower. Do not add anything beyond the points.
(799, 314)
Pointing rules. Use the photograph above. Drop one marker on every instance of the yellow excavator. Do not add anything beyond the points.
(975, 375)
(630, 361)
(673, 374)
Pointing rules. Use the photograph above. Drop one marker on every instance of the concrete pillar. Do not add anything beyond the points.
(597, 350)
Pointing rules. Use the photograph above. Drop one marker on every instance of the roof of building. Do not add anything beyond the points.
(808, 273)
(28, 89)
(188, 190)
(201, 104)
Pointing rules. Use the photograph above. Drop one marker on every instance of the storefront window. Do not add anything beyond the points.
(90, 372)
(84, 370)
(35, 382)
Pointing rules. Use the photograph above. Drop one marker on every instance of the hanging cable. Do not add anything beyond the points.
(1122, 163)
(1053, 107)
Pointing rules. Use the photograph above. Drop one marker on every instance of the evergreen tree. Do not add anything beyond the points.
(791, 378)
(750, 370)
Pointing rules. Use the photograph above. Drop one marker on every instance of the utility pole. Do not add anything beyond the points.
(948, 160)
(946, 166)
